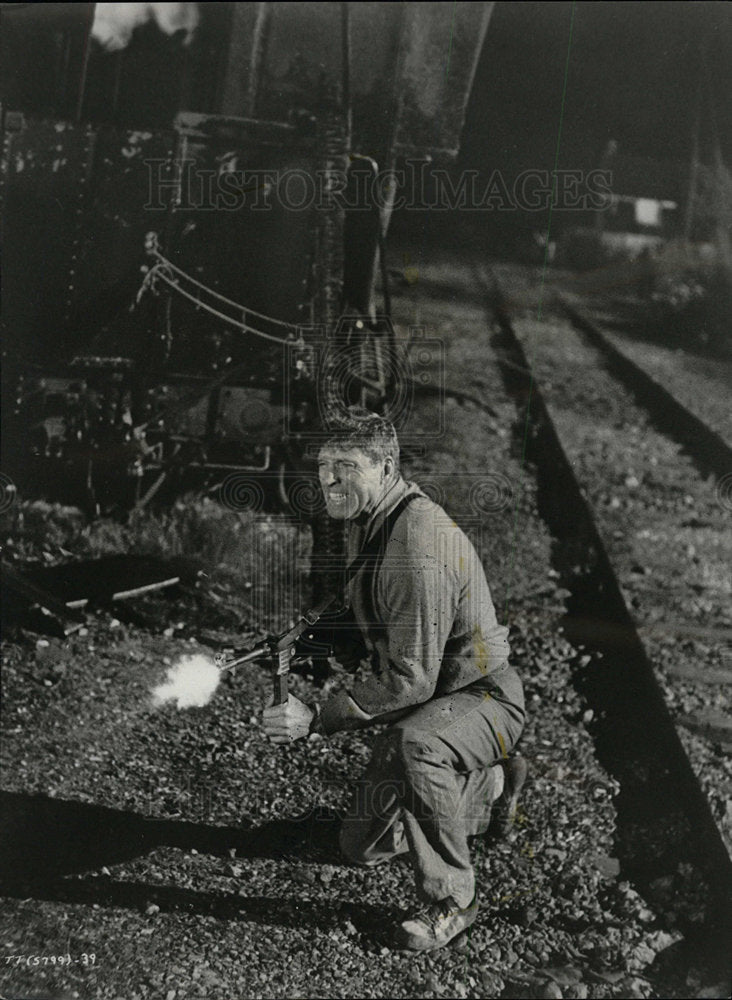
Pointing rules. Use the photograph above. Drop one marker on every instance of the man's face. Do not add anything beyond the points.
(351, 482)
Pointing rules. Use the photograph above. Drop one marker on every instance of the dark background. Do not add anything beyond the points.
(633, 75)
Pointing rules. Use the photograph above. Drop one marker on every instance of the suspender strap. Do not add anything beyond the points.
(370, 556)
(372, 553)
(374, 549)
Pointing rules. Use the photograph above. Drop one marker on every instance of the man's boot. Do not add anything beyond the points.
(433, 925)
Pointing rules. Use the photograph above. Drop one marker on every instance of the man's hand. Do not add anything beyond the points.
(288, 722)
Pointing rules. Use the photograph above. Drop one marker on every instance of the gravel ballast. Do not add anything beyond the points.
(174, 902)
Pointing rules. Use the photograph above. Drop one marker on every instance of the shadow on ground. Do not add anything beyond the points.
(47, 841)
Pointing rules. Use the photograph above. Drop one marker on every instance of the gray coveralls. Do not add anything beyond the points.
(441, 678)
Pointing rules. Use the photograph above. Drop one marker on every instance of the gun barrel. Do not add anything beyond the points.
(254, 654)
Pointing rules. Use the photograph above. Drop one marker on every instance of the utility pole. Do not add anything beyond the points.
(694, 164)
(722, 179)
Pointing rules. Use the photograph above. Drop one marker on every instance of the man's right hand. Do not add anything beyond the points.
(287, 722)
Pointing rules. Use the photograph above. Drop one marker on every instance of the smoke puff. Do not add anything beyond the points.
(172, 17)
(115, 22)
(190, 683)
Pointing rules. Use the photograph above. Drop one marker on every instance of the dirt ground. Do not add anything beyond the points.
(147, 857)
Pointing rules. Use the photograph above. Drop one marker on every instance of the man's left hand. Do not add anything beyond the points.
(287, 722)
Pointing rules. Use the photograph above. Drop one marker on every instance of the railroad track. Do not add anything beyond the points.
(664, 817)
(563, 899)
(706, 448)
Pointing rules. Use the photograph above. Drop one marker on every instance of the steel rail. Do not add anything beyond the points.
(664, 815)
(707, 448)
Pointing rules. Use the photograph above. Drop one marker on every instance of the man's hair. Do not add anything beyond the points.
(373, 435)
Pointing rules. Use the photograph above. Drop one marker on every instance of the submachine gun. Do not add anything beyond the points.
(282, 650)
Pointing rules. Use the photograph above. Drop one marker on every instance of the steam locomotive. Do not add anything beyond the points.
(195, 200)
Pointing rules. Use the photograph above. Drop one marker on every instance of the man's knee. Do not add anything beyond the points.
(410, 766)
(416, 750)
(426, 767)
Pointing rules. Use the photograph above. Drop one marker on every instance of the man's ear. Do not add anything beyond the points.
(389, 466)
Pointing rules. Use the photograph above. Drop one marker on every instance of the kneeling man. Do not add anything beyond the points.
(439, 678)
